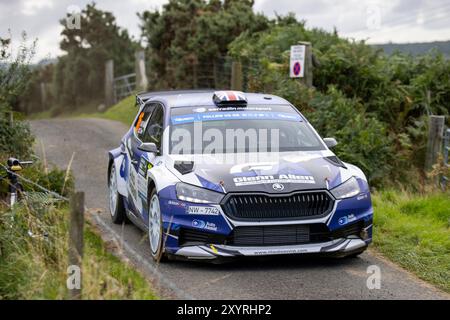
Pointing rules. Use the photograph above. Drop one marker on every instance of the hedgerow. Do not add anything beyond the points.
(377, 106)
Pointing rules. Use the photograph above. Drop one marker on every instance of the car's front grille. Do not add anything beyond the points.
(302, 205)
(190, 237)
(271, 235)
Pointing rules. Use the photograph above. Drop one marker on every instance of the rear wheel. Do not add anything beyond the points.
(155, 228)
(116, 206)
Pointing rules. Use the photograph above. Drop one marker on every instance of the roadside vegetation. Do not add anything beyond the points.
(124, 111)
(414, 231)
(376, 105)
(33, 260)
(34, 232)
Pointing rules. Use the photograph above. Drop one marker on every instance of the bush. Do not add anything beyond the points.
(376, 105)
(15, 140)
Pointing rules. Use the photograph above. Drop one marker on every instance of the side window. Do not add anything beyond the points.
(142, 120)
(154, 130)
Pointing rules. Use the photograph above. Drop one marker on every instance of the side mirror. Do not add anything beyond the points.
(148, 147)
(330, 142)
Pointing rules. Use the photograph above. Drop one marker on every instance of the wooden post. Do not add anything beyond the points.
(141, 75)
(76, 233)
(434, 145)
(109, 83)
(308, 75)
(43, 95)
(11, 118)
(237, 80)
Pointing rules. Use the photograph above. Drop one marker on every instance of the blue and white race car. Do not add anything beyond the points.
(222, 174)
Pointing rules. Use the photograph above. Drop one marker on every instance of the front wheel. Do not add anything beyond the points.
(155, 228)
(116, 206)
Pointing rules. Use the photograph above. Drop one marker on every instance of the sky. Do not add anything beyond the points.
(376, 21)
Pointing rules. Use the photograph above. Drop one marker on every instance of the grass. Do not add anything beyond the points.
(124, 111)
(35, 267)
(414, 232)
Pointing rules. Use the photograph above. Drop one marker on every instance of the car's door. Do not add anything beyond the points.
(133, 143)
(152, 131)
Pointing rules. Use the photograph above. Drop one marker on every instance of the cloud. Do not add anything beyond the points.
(33, 7)
(375, 20)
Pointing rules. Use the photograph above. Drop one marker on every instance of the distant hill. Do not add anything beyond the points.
(416, 48)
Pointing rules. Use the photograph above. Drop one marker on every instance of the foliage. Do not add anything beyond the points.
(402, 235)
(33, 258)
(376, 105)
(79, 75)
(14, 72)
(16, 139)
(187, 40)
(124, 111)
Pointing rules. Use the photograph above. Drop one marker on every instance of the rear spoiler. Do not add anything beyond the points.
(143, 97)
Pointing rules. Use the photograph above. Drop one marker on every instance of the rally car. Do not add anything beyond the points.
(223, 174)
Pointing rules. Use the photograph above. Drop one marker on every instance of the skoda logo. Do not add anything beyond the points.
(278, 187)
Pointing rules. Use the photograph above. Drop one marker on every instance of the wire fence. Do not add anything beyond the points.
(216, 74)
(48, 197)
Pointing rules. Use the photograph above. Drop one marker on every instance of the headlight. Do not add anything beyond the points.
(190, 193)
(348, 189)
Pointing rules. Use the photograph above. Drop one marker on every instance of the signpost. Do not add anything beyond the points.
(298, 61)
(301, 66)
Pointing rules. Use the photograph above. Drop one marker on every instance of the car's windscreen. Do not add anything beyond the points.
(206, 130)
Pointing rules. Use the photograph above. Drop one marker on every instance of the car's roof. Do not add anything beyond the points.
(192, 98)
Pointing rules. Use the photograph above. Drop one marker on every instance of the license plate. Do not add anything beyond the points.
(207, 211)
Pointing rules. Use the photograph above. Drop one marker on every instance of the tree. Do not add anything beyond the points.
(14, 72)
(189, 38)
(79, 75)
(15, 140)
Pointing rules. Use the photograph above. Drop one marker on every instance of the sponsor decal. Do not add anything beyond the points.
(279, 179)
(144, 166)
(346, 219)
(200, 110)
(280, 251)
(132, 184)
(278, 187)
(211, 226)
(200, 224)
(123, 167)
(244, 115)
(176, 203)
(207, 211)
(362, 197)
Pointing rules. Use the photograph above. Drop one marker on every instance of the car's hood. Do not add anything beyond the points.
(282, 172)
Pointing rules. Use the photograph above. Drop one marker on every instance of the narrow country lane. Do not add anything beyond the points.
(280, 278)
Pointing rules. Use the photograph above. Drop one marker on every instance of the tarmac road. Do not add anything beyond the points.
(276, 278)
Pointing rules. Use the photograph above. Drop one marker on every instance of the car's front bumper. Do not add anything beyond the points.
(344, 246)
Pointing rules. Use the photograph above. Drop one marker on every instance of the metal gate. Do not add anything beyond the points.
(124, 86)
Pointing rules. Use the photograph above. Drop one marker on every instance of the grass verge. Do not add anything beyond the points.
(34, 266)
(414, 232)
(124, 111)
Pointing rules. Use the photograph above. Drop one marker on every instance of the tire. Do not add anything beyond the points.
(155, 228)
(116, 205)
